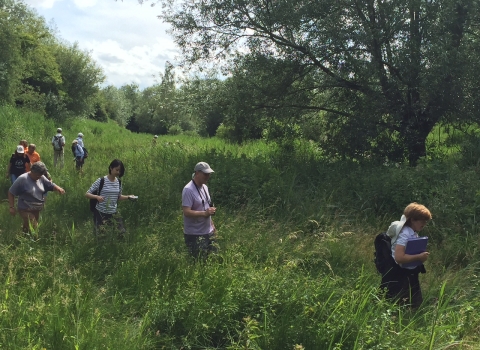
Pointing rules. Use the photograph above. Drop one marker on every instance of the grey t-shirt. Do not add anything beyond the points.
(30, 193)
(198, 200)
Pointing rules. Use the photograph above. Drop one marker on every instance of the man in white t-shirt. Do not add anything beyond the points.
(197, 206)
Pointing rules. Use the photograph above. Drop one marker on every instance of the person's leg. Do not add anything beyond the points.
(119, 225)
(396, 283)
(192, 243)
(55, 158)
(13, 178)
(97, 222)
(416, 297)
(30, 218)
(61, 155)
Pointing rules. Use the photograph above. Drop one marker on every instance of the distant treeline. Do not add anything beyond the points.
(368, 84)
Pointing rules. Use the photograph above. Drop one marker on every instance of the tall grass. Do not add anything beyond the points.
(295, 266)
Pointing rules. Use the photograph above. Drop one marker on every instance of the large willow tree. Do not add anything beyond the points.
(380, 73)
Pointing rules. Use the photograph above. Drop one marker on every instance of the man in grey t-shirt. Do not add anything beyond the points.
(198, 209)
(30, 188)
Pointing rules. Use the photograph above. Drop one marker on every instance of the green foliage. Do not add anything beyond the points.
(384, 74)
(175, 130)
(38, 71)
(295, 231)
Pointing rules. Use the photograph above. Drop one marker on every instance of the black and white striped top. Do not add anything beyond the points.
(111, 191)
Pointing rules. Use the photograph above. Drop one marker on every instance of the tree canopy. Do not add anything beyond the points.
(39, 71)
(378, 75)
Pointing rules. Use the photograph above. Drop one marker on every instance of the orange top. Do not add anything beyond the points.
(34, 157)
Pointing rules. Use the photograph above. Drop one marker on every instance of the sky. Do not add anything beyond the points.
(124, 38)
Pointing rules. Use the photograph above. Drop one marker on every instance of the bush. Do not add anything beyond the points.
(175, 130)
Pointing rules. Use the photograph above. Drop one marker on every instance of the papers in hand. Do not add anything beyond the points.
(415, 246)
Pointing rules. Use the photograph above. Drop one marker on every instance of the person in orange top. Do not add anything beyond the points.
(33, 155)
(24, 143)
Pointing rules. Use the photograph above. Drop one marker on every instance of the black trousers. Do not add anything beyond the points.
(200, 246)
(102, 220)
(403, 285)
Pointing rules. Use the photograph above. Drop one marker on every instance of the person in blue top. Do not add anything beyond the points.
(402, 282)
(78, 153)
(80, 139)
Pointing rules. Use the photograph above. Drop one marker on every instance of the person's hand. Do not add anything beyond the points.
(423, 256)
(100, 199)
(61, 190)
(12, 211)
(210, 211)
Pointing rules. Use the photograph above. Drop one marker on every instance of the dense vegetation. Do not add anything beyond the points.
(295, 269)
(358, 78)
(337, 96)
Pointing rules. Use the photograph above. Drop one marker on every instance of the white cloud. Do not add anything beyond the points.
(41, 3)
(126, 39)
(85, 3)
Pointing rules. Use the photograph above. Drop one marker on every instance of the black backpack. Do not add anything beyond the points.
(383, 253)
(85, 153)
(93, 202)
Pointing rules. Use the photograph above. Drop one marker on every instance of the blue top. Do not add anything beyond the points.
(79, 151)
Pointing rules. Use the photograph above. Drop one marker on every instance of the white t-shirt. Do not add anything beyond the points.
(405, 234)
(110, 192)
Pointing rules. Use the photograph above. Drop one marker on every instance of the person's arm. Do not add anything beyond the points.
(94, 188)
(11, 203)
(58, 189)
(123, 197)
(8, 169)
(402, 258)
(187, 211)
(94, 196)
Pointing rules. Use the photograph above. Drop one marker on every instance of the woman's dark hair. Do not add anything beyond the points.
(114, 164)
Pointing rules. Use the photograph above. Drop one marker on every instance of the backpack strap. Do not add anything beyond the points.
(102, 182)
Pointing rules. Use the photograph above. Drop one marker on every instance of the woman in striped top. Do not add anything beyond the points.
(107, 196)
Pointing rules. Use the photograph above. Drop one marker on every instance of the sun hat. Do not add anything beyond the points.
(203, 167)
(39, 168)
(395, 228)
(80, 134)
(20, 149)
(75, 141)
(156, 136)
(59, 129)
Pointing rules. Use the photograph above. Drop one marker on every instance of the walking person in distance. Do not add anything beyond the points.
(78, 154)
(58, 143)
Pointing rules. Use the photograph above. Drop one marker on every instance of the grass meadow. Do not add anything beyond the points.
(294, 270)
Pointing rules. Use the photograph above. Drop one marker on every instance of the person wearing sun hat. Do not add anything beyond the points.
(402, 282)
(80, 139)
(30, 188)
(198, 209)
(17, 164)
